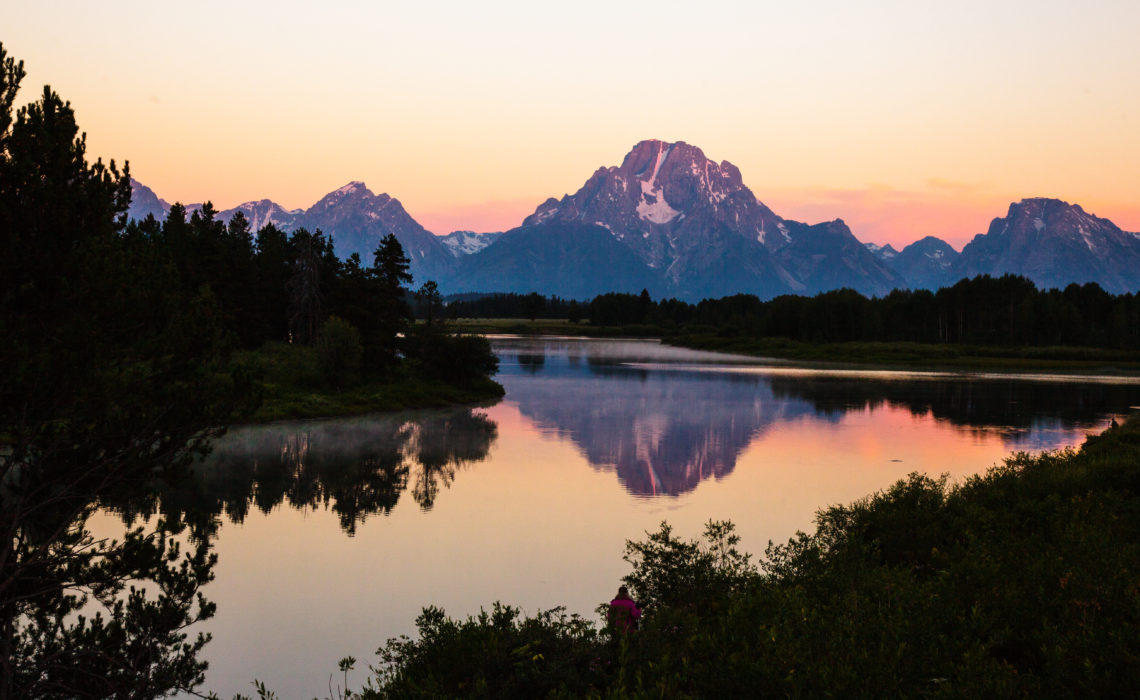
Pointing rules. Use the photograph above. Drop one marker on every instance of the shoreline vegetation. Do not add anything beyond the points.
(1000, 323)
(293, 388)
(1022, 582)
(948, 356)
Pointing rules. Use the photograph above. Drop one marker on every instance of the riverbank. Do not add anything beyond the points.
(1018, 583)
(293, 389)
(944, 356)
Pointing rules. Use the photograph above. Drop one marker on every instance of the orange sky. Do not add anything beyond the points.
(903, 118)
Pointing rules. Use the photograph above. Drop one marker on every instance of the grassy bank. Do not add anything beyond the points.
(1024, 582)
(295, 389)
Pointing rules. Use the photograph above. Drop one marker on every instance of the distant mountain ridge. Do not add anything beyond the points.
(355, 217)
(674, 222)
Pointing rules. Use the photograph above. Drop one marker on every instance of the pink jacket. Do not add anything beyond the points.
(624, 614)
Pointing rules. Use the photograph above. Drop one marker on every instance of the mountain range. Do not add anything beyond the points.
(674, 222)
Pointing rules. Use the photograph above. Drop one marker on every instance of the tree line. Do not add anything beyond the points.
(512, 305)
(1007, 310)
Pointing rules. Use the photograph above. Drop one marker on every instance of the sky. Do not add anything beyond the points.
(905, 119)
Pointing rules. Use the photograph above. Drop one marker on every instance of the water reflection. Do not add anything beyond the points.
(355, 468)
(665, 420)
(1025, 413)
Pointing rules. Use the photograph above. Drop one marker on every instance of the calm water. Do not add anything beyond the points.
(333, 535)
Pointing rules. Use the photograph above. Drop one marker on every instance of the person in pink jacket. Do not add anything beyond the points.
(624, 613)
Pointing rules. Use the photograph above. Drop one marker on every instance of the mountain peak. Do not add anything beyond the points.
(354, 186)
(658, 187)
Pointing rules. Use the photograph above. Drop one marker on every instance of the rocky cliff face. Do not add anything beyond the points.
(1054, 243)
(689, 219)
(828, 256)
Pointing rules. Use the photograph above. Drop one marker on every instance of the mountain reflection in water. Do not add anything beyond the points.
(354, 467)
(664, 423)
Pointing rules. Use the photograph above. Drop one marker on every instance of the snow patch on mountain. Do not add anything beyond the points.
(653, 206)
(461, 243)
(882, 252)
(1087, 236)
(349, 188)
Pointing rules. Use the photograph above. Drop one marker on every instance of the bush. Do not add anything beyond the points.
(514, 657)
(459, 359)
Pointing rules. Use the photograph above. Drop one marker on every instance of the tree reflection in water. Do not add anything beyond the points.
(353, 467)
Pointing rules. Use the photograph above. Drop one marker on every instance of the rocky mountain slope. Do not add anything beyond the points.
(1054, 243)
(927, 263)
(678, 224)
(696, 227)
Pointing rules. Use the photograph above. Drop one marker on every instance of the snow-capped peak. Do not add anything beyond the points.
(350, 188)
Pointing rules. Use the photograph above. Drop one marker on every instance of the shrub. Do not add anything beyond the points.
(459, 359)
(338, 351)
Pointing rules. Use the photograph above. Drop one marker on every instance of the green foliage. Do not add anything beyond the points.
(338, 351)
(460, 359)
(134, 642)
(391, 314)
(307, 284)
(515, 657)
(293, 387)
(429, 303)
(670, 573)
(113, 377)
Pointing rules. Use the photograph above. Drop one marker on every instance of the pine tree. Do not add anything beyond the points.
(306, 296)
(110, 379)
(393, 314)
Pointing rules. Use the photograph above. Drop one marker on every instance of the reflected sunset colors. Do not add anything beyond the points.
(333, 535)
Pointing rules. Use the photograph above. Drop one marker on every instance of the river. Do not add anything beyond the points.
(332, 535)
